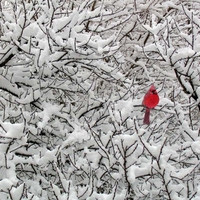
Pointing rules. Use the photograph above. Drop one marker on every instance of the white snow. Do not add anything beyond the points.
(78, 135)
(71, 100)
(46, 114)
(12, 130)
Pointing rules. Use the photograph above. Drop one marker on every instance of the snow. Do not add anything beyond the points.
(17, 192)
(8, 86)
(11, 130)
(138, 171)
(95, 195)
(78, 135)
(48, 156)
(198, 194)
(182, 53)
(71, 100)
(32, 30)
(169, 4)
(6, 184)
(31, 95)
(92, 157)
(46, 114)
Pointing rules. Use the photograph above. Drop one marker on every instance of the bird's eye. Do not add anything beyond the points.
(154, 91)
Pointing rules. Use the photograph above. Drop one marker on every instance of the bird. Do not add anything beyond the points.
(150, 100)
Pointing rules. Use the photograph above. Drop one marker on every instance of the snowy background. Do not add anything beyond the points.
(73, 75)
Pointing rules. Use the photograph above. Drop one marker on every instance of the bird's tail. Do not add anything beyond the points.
(147, 116)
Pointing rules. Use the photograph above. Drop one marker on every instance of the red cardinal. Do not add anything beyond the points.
(150, 101)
